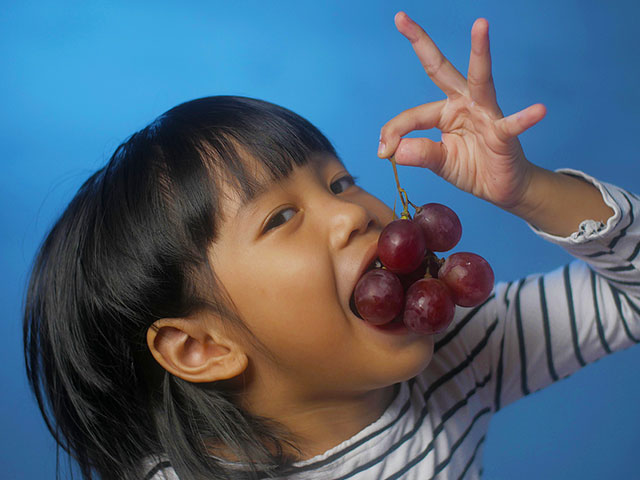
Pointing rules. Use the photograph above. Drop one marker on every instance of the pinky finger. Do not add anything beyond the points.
(515, 124)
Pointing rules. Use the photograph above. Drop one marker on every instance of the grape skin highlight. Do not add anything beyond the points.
(469, 277)
(428, 307)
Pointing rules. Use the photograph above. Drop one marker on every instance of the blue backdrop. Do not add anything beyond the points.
(78, 77)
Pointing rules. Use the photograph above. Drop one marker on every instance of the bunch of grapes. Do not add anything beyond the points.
(411, 284)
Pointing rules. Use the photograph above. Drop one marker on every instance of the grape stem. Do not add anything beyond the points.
(404, 198)
(432, 258)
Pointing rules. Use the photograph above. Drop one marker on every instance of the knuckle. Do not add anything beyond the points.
(478, 79)
(388, 131)
(425, 152)
(434, 66)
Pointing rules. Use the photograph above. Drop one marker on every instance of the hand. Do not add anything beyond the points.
(479, 151)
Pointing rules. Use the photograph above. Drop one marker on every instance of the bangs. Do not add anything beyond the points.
(246, 143)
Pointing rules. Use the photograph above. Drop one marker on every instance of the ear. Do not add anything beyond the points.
(194, 350)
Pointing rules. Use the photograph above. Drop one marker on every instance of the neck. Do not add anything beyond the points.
(320, 424)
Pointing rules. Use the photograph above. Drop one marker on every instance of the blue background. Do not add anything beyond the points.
(78, 77)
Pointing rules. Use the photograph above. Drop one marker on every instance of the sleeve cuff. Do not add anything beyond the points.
(589, 230)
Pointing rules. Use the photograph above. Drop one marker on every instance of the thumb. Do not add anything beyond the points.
(421, 152)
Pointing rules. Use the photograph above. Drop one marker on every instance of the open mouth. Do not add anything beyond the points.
(352, 301)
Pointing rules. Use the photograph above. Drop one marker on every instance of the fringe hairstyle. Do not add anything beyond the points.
(131, 248)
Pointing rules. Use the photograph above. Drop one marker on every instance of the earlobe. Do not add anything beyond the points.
(191, 350)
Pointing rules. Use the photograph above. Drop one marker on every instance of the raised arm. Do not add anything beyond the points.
(479, 151)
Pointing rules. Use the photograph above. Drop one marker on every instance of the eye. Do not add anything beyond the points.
(279, 218)
(341, 184)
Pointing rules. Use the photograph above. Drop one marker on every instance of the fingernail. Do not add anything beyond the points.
(381, 147)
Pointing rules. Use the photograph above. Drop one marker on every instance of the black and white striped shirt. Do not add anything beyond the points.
(527, 335)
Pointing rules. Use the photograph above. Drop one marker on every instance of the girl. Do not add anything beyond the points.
(189, 314)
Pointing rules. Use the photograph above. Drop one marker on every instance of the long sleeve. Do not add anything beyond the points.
(544, 327)
(528, 334)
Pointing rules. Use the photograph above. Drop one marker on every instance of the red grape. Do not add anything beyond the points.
(440, 225)
(401, 246)
(379, 296)
(428, 307)
(468, 276)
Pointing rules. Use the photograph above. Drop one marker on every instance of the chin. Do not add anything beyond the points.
(410, 362)
(414, 370)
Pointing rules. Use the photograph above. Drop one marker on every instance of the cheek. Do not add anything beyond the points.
(286, 297)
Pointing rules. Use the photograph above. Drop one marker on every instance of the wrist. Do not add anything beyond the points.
(558, 203)
(539, 181)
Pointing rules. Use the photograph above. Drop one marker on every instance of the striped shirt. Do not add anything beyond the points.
(527, 335)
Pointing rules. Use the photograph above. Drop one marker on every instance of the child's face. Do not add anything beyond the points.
(290, 260)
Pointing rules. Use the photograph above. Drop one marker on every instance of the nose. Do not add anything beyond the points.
(348, 220)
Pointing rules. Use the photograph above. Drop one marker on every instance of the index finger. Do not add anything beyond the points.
(439, 69)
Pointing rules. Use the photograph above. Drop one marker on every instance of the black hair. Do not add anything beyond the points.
(131, 248)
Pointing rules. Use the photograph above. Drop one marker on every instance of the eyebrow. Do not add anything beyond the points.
(250, 194)
(248, 203)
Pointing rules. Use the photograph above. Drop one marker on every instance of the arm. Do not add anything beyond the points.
(479, 151)
(557, 203)
(540, 329)
(556, 323)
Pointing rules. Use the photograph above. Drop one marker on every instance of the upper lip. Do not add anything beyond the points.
(372, 254)
(369, 257)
